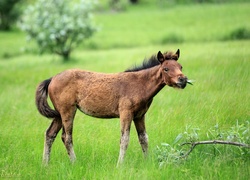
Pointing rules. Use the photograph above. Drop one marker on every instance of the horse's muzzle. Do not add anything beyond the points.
(182, 82)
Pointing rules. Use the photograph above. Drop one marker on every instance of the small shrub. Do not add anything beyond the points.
(9, 13)
(239, 34)
(238, 135)
(172, 38)
(58, 26)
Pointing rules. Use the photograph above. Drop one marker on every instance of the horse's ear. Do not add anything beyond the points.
(160, 57)
(177, 54)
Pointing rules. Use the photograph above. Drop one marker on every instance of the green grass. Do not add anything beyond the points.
(153, 25)
(219, 95)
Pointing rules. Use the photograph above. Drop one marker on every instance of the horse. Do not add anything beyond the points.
(126, 95)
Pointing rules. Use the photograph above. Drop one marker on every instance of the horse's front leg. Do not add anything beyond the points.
(142, 135)
(125, 121)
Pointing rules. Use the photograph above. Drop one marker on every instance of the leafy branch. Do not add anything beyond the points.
(194, 144)
(238, 135)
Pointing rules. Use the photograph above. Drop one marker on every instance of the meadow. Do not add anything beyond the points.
(220, 95)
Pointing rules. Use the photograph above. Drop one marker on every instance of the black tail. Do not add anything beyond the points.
(41, 100)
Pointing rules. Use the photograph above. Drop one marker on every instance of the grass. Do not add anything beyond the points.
(154, 25)
(219, 95)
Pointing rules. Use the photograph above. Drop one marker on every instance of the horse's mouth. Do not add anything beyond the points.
(183, 84)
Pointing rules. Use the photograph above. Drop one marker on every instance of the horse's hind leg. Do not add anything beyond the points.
(69, 148)
(67, 130)
(142, 135)
(50, 136)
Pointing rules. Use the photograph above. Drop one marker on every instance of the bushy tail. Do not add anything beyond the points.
(41, 100)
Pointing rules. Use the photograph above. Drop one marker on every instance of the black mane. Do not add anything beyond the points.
(147, 63)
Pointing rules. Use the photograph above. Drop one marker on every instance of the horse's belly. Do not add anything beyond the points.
(99, 110)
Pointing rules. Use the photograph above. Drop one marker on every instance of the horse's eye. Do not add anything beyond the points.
(166, 69)
(181, 67)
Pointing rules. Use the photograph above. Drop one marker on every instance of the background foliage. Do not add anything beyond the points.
(58, 26)
(237, 135)
(9, 13)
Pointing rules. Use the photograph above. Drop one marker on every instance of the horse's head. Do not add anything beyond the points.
(171, 70)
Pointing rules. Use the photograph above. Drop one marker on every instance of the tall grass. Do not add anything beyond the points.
(220, 95)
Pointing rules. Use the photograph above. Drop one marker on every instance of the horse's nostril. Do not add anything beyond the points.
(182, 79)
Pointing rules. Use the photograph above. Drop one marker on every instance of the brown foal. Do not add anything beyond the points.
(126, 95)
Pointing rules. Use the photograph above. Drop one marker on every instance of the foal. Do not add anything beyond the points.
(126, 95)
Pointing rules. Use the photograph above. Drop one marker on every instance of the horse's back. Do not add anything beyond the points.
(93, 93)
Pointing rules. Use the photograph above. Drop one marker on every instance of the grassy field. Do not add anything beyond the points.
(219, 95)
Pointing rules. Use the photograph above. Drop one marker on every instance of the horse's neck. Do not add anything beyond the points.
(153, 81)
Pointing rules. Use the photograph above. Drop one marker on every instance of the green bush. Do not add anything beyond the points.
(239, 34)
(58, 26)
(9, 13)
(172, 38)
(238, 135)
